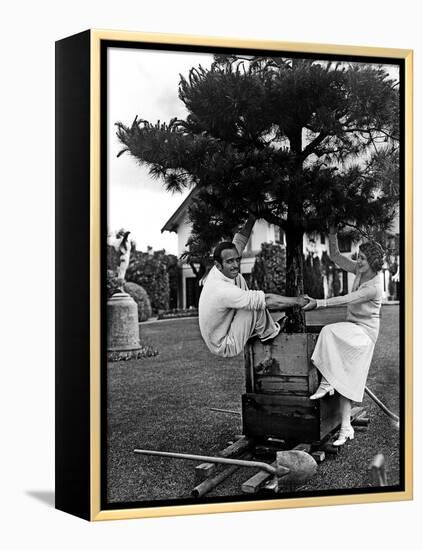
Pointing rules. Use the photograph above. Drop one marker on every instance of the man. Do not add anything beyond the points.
(229, 313)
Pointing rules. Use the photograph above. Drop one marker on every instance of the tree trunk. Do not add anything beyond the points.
(294, 275)
(294, 235)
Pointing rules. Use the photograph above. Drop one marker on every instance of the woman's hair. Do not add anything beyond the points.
(374, 254)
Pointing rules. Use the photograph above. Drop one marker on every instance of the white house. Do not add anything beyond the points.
(263, 232)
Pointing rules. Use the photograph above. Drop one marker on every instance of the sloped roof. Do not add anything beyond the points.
(176, 218)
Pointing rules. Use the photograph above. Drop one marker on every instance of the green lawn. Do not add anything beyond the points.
(163, 403)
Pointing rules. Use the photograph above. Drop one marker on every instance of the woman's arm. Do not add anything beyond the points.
(336, 256)
(363, 294)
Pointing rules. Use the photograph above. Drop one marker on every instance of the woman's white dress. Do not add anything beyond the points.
(344, 351)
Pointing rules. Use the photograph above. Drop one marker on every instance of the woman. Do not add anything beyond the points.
(344, 351)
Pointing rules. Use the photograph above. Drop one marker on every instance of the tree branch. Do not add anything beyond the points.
(366, 235)
(369, 131)
(194, 269)
(314, 144)
(275, 220)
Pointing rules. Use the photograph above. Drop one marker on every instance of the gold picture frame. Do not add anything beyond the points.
(80, 226)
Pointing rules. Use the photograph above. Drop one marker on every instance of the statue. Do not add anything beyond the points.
(123, 341)
(118, 257)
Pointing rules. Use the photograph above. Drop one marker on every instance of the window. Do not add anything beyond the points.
(344, 243)
(279, 235)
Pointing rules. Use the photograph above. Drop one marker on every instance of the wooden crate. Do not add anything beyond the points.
(279, 381)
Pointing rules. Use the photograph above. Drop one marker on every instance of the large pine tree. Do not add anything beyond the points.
(302, 143)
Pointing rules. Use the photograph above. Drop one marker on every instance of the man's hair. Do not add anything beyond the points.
(225, 245)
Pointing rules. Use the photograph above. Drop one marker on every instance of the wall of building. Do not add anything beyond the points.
(184, 231)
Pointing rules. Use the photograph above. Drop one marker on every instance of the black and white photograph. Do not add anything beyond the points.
(252, 275)
(209, 333)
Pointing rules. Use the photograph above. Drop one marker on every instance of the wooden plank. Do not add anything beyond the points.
(362, 421)
(319, 456)
(281, 384)
(289, 364)
(290, 350)
(329, 449)
(287, 391)
(330, 417)
(210, 483)
(283, 378)
(313, 380)
(241, 445)
(356, 412)
(294, 365)
(316, 445)
(287, 403)
(311, 343)
(314, 329)
(203, 471)
(284, 427)
(360, 428)
(306, 447)
(279, 408)
(254, 483)
(293, 344)
(265, 451)
(284, 417)
(249, 365)
(313, 377)
(277, 443)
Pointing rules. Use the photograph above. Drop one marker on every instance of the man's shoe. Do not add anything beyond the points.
(269, 339)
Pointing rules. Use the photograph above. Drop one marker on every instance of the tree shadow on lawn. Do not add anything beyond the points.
(163, 403)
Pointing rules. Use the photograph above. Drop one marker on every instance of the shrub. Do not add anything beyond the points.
(149, 270)
(172, 271)
(141, 298)
(112, 283)
(113, 258)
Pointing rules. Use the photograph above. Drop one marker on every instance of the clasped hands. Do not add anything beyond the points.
(310, 303)
(306, 302)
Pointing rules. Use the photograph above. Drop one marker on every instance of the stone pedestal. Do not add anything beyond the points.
(123, 340)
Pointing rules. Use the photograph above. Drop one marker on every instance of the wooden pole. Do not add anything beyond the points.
(383, 407)
(210, 483)
(242, 444)
(227, 411)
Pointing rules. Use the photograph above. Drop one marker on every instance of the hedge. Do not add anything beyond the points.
(149, 270)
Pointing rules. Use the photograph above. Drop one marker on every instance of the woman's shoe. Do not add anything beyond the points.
(323, 389)
(344, 435)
